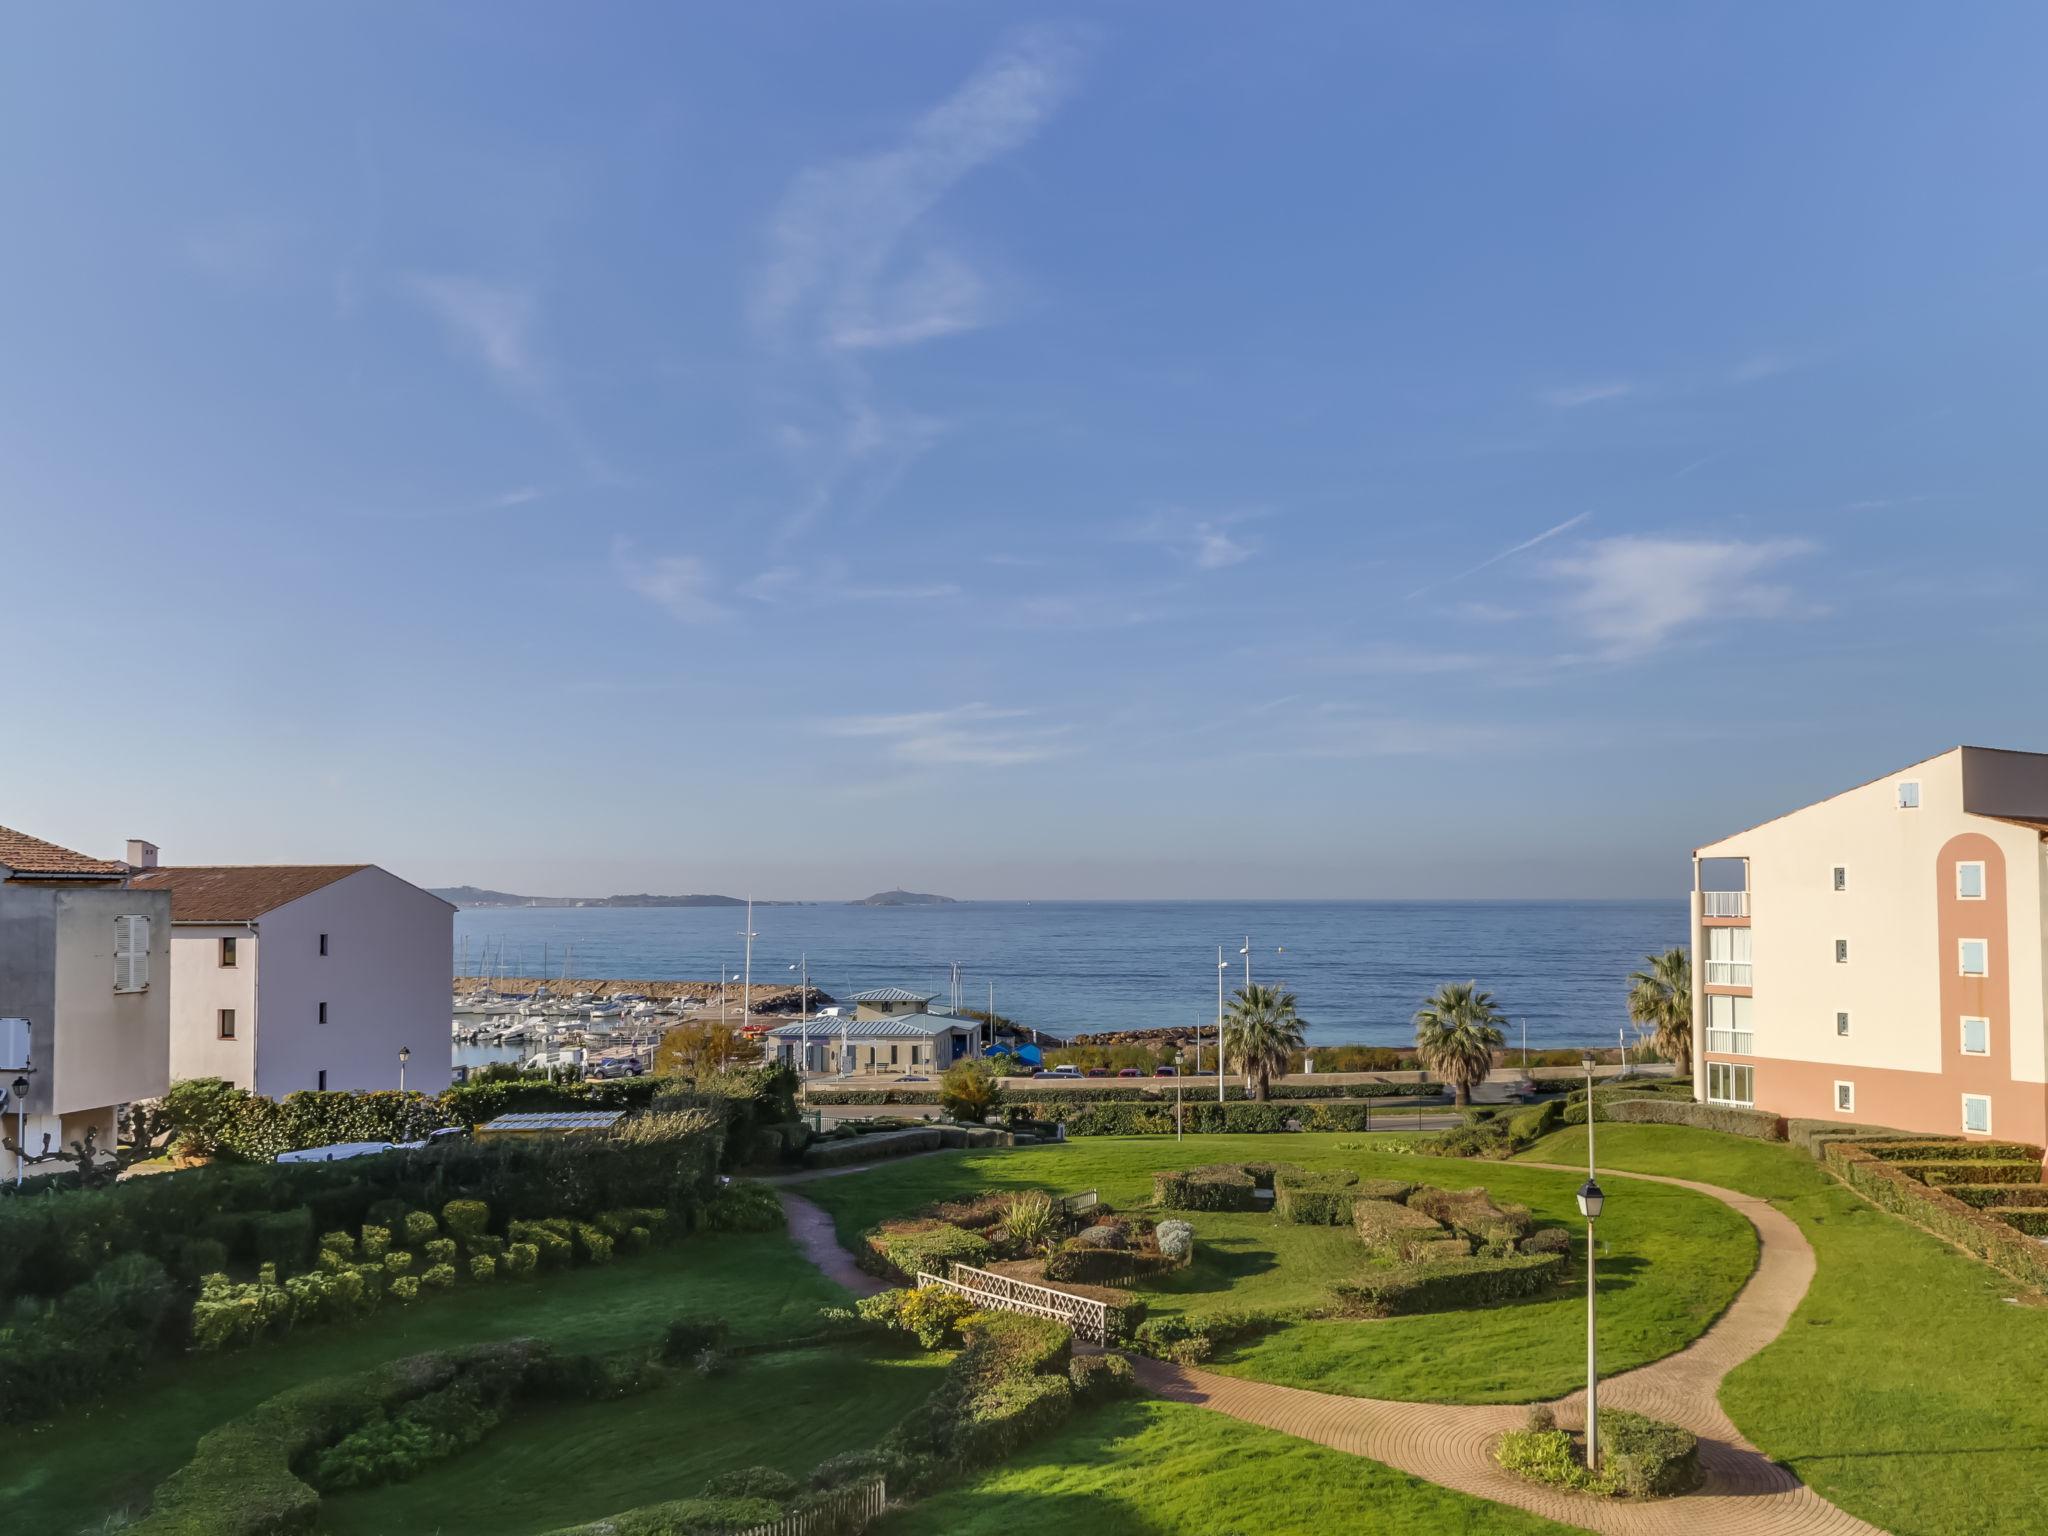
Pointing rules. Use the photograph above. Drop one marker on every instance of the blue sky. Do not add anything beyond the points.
(1124, 450)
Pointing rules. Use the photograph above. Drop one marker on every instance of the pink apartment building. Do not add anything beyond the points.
(1882, 956)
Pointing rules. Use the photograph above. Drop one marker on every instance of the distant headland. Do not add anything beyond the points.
(903, 899)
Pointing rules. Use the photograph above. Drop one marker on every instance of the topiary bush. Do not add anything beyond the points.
(1098, 1378)
(1639, 1457)
(1176, 1240)
(1216, 1188)
(905, 1250)
(1391, 1230)
(466, 1220)
(1449, 1284)
(1315, 1199)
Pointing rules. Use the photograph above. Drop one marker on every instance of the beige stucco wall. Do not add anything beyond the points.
(1891, 983)
(202, 986)
(108, 1047)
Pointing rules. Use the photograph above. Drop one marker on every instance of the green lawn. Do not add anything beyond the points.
(1671, 1261)
(1168, 1469)
(70, 1475)
(547, 1469)
(1908, 1388)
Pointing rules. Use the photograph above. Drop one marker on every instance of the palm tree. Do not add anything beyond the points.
(1456, 1033)
(1260, 1033)
(1660, 1002)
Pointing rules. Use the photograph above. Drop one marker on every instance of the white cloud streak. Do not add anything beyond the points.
(1570, 397)
(1633, 594)
(968, 735)
(1506, 554)
(492, 323)
(682, 586)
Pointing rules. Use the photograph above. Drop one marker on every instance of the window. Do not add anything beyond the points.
(1728, 1084)
(892, 1055)
(1977, 1113)
(1728, 957)
(224, 1024)
(323, 1013)
(323, 944)
(1841, 877)
(1728, 1024)
(1841, 1023)
(131, 954)
(1976, 1037)
(1975, 956)
(1970, 881)
(1841, 951)
(321, 1080)
(1909, 794)
(227, 952)
(1845, 1098)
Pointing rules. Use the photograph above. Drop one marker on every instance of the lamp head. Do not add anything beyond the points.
(405, 1053)
(1590, 1200)
(21, 1087)
(1586, 1062)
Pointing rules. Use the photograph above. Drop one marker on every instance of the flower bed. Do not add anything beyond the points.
(1639, 1457)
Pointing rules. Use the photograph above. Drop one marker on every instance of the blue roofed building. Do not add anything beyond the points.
(889, 1032)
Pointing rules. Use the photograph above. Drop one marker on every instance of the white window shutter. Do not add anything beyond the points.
(131, 954)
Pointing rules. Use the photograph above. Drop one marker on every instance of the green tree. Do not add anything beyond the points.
(1457, 1031)
(1660, 1002)
(970, 1090)
(1260, 1033)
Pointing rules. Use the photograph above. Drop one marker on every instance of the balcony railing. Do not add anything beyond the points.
(1731, 1042)
(1727, 973)
(1724, 903)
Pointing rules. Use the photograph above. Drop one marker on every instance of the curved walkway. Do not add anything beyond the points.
(1745, 1493)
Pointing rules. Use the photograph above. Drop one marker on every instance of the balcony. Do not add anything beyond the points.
(1731, 1042)
(1728, 973)
(1724, 903)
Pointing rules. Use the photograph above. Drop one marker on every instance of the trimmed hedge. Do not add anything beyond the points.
(904, 1250)
(1992, 1240)
(1911, 1149)
(1218, 1188)
(1393, 1230)
(1731, 1120)
(859, 1149)
(1946, 1170)
(1315, 1199)
(1204, 1117)
(1151, 1090)
(2030, 1219)
(1640, 1458)
(1451, 1284)
(2006, 1196)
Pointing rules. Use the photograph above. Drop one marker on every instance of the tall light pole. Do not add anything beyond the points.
(1590, 1201)
(1247, 953)
(1222, 965)
(404, 1055)
(747, 986)
(20, 1130)
(803, 1010)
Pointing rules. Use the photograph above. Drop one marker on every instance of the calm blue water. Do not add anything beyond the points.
(1358, 968)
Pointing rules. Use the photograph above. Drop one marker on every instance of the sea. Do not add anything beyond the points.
(1358, 969)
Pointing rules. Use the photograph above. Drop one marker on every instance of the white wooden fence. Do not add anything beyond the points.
(846, 1513)
(1087, 1317)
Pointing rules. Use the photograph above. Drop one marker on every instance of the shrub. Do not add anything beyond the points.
(741, 1206)
(932, 1314)
(1028, 1219)
(861, 1149)
(338, 1242)
(1077, 1263)
(1940, 1213)
(1097, 1378)
(439, 1277)
(419, 1227)
(688, 1337)
(2006, 1195)
(1546, 1240)
(466, 1219)
(440, 1250)
(405, 1288)
(1391, 1229)
(1450, 1284)
(1639, 1457)
(281, 1237)
(1176, 1240)
(905, 1250)
(1759, 1125)
(397, 1261)
(1218, 1188)
(1315, 1199)
(376, 1242)
(594, 1243)
(753, 1483)
(482, 1266)
(520, 1259)
(1397, 1190)
(1911, 1149)
(1189, 1340)
(1472, 1213)
(970, 1090)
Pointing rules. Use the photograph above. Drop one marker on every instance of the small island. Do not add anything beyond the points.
(902, 898)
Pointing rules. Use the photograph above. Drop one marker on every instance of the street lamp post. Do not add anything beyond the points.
(1590, 1201)
(1222, 965)
(747, 986)
(21, 1130)
(803, 1009)
(404, 1055)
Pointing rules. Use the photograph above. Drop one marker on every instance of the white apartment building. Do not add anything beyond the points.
(1879, 957)
(85, 961)
(304, 976)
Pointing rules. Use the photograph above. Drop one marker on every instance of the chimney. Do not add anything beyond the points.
(141, 855)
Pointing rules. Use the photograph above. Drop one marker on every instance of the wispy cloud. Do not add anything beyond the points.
(1206, 543)
(1569, 397)
(489, 322)
(853, 266)
(781, 582)
(1762, 365)
(1692, 467)
(1506, 554)
(1632, 594)
(682, 586)
(968, 735)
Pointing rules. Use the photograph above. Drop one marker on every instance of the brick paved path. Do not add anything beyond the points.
(1745, 1493)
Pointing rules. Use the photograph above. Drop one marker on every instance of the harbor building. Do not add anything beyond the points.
(887, 1032)
(1879, 957)
(304, 976)
(85, 968)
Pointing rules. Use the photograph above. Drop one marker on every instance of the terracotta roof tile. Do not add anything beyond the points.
(236, 893)
(27, 855)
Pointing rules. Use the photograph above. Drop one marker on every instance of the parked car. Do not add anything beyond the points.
(1098, 1071)
(913, 1077)
(1067, 1069)
(1130, 1072)
(1165, 1072)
